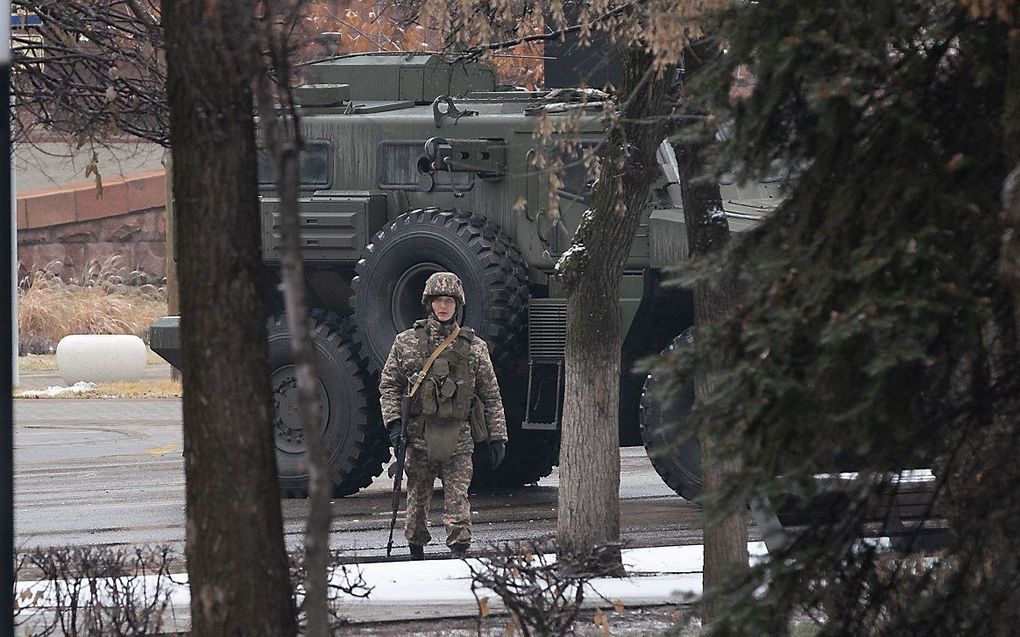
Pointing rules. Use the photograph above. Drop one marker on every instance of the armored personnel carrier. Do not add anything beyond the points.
(414, 164)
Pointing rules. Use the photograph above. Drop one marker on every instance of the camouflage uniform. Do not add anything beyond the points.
(406, 359)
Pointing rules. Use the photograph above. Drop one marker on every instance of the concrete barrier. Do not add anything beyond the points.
(100, 358)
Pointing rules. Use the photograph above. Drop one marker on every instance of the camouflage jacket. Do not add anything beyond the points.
(405, 360)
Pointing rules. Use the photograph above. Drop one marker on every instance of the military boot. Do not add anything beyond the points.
(417, 551)
(459, 550)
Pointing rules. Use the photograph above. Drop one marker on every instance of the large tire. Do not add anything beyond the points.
(391, 276)
(677, 461)
(530, 455)
(356, 444)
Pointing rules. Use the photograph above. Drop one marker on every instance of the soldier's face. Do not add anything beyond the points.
(444, 307)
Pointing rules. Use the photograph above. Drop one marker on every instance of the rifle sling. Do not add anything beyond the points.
(428, 364)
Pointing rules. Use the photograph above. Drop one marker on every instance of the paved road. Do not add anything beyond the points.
(110, 472)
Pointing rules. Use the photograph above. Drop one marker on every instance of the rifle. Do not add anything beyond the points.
(398, 471)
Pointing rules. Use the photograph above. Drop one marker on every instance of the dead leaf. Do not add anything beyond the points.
(618, 605)
(111, 93)
(92, 168)
(483, 607)
(602, 621)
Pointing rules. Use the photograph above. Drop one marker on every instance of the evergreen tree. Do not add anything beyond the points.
(876, 331)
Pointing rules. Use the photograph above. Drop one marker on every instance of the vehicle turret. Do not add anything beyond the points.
(415, 77)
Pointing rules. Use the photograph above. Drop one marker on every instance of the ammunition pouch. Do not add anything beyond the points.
(441, 438)
(446, 390)
(479, 430)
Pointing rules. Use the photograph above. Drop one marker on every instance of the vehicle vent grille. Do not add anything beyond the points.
(547, 329)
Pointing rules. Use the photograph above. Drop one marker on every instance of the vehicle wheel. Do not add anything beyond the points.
(677, 461)
(392, 274)
(530, 455)
(356, 444)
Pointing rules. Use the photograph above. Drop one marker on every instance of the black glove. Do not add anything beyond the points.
(497, 451)
(393, 430)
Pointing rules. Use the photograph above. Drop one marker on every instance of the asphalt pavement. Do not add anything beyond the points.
(109, 472)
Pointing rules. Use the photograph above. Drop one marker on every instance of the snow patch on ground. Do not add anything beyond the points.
(659, 575)
(80, 387)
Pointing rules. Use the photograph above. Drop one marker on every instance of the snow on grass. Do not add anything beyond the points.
(659, 575)
(58, 391)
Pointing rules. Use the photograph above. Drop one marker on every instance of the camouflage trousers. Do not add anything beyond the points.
(455, 474)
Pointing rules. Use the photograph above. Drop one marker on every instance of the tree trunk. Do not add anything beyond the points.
(1010, 264)
(237, 564)
(281, 128)
(589, 509)
(173, 304)
(589, 498)
(320, 486)
(725, 538)
(707, 231)
(283, 140)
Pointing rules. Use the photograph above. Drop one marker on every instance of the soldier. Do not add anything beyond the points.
(440, 439)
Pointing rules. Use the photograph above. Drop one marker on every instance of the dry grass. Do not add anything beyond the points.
(97, 302)
(48, 362)
(37, 362)
(125, 389)
(139, 389)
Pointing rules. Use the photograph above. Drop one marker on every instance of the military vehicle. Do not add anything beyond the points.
(416, 163)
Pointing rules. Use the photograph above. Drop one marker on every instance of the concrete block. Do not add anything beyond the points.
(100, 358)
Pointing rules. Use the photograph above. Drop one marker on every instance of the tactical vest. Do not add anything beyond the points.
(446, 392)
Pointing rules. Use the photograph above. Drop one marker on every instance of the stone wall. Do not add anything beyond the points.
(139, 238)
(75, 227)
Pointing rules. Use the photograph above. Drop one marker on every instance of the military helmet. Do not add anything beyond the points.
(443, 284)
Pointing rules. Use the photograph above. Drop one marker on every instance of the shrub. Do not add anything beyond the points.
(96, 591)
(99, 301)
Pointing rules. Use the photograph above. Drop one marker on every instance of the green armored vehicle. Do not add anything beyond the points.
(414, 164)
